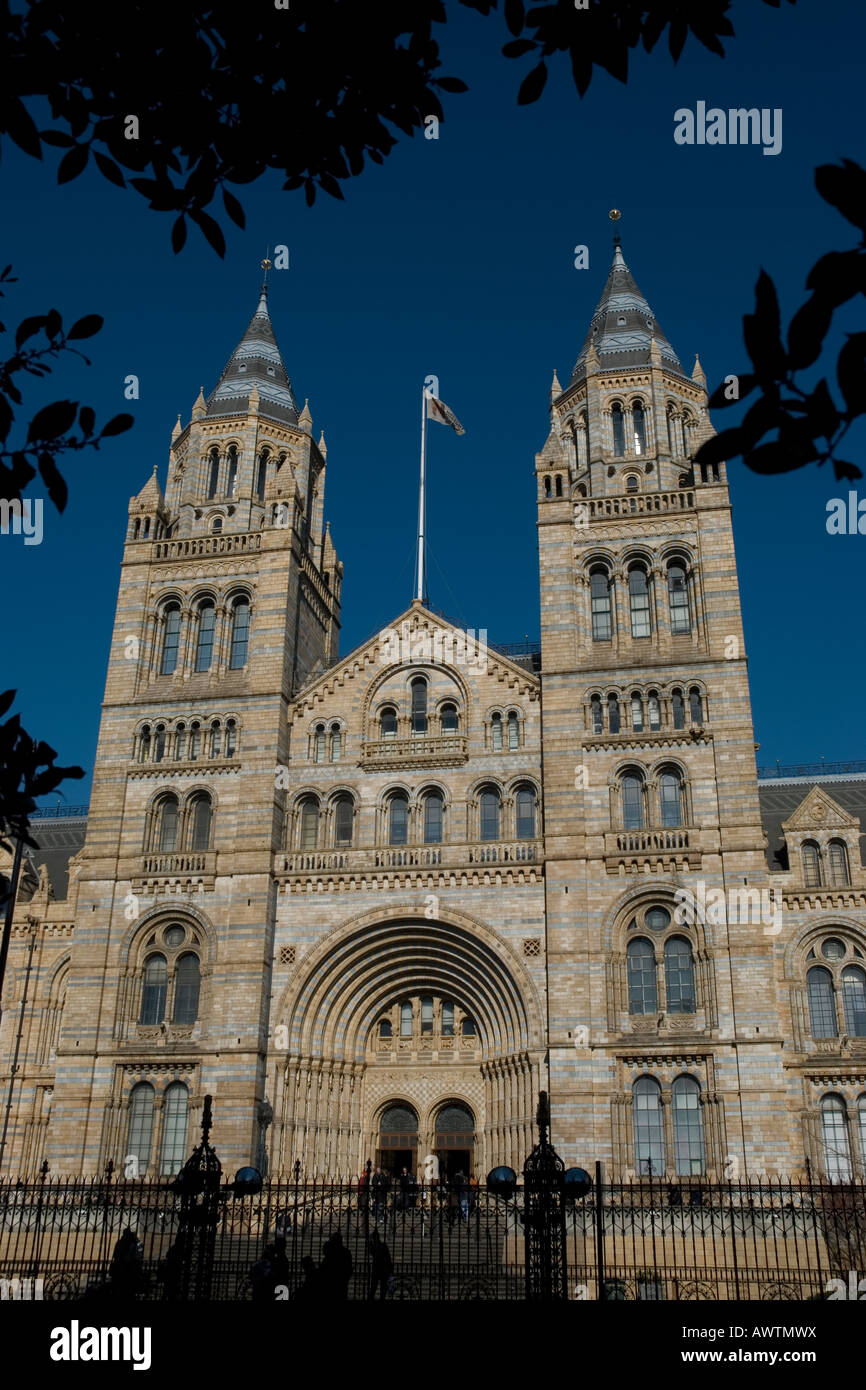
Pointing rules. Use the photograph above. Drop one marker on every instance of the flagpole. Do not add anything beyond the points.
(421, 497)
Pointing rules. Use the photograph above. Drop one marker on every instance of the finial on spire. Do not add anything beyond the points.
(614, 216)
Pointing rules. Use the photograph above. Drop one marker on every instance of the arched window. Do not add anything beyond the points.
(649, 1143)
(154, 986)
(262, 475)
(489, 806)
(166, 824)
(309, 823)
(406, 1020)
(688, 426)
(419, 705)
(215, 738)
(144, 745)
(448, 1023)
(204, 641)
(336, 743)
(632, 483)
(643, 995)
(637, 713)
(187, 983)
(344, 819)
(217, 525)
(822, 1003)
(688, 1127)
(319, 743)
(616, 420)
(679, 976)
(467, 1028)
(213, 476)
(385, 1029)
(449, 720)
(496, 732)
(388, 723)
(679, 709)
(426, 1014)
(639, 420)
(597, 715)
(180, 742)
(696, 706)
(631, 787)
(232, 479)
(655, 712)
(525, 814)
(834, 1132)
(202, 815)
(559, 485)
(433, 805)
(174, 1123)
(638, 592)
(672, 434)
(613, 714)
(839, 875)
(547, 487)
(811, 864)
(599, 587)
(678, 598)
(231, 738)
(170, 638)
(398, 819)
(513, 731)
(140, 1133)
(854, 1000)
(671, 797)
(159, 743)
(194, 739)
(240, 633)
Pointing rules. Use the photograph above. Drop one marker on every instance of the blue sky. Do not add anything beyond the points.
(456, 257)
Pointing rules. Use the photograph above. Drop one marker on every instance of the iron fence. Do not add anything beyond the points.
(642, 1239)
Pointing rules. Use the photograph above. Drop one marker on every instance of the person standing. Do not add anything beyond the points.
(381, 1266)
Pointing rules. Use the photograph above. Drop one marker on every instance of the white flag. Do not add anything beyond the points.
(438, 410)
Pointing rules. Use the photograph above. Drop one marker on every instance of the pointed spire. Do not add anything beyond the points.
(178, 429)
(555, 388)
(305, 419)
(200, 406)
(150, 499)
(623, 327)
(256, 361)
(323, 448)
(698, 373)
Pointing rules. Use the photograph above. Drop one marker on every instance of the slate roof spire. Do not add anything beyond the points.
(623, 325)
(256, 361)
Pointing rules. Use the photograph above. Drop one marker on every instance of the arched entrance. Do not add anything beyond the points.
(455, 1139)
(398, 1139)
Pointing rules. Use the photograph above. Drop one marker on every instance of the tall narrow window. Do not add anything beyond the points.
(672, 435)
(649, 1143)
(513, 731)
(597, 715)
(240, 633)
(153, 990)
(599, 586)
(419, 706)
(688, 426)
(638, 594)
(344, 816)
(213, 476)
(319, 744)
(232, 478)
(525, 814)
(679, 709)
(854, 1000)
(641, 968)
(405, 1020)
(679, 976)
(822, 1003)
(632, 802)
(336, 743)
(613, 714)
(159, 743)
(180, 742)
(637, 713)
(839, 876)
(655, 712)
(834, 1130)
(489, 815)
(426, 1014)
(678, 598)
(448, 1023)
(167, 812)
(639, 419)
(204, 642)
(496, 732)
(174, 1124)
(231, 738)
(144, 745)
(398, 819)
(433, 818)
(449, 719)
(309, 823)
(262, 475)
(861, 1116)
(696, 710)
(187, 984)
(671, 795)
(616, 419)
(388, 723)
(688, 1127)
(194, 739)
(215, 738)
(811, 864)
(140, 1133)
(170, 638)
(201, 823)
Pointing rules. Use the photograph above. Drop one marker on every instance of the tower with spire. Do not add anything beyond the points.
(649, 757)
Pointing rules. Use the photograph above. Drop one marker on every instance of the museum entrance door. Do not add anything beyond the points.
(398, 1140)
(455, 1140)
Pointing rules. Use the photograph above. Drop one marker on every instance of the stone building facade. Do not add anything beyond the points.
(373, 904)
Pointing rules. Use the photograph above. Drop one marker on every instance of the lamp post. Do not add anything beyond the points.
(544, 1216)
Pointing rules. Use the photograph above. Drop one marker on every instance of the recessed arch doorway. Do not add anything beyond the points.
(398, 1139)
(454, 1139)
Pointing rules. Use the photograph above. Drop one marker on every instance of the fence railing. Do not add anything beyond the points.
(643, 1239)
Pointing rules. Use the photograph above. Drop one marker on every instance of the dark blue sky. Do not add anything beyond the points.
(456, 257)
